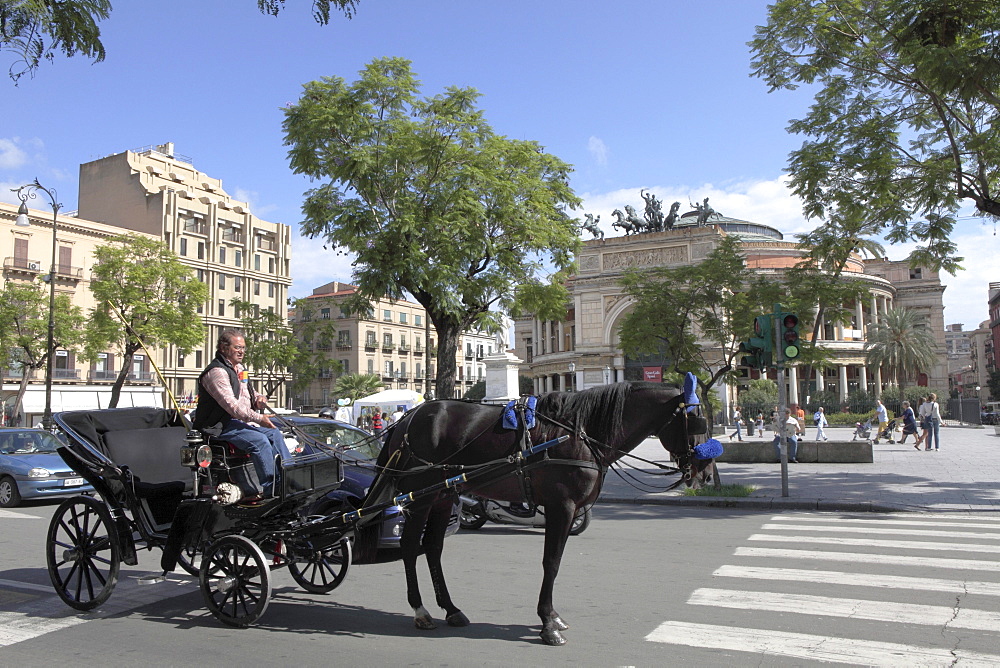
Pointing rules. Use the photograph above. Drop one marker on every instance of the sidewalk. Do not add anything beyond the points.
(963, 476)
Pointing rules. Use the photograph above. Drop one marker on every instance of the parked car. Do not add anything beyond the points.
(359, 451)
(30, 468)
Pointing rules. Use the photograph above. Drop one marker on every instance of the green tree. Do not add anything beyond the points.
(35, 30)
(356, 386)
(144, 296)
(901, 344)
(273, 353)
(904, 124)
(696, 315)
(993, 383)
(321, 9)
(24, 322)
(432, 202)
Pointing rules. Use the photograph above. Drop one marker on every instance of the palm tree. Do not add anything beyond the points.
(901, 344)
(357, 385)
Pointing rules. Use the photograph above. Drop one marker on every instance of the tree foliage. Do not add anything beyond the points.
(272, 350)
(900, 344)
(904, 124)
(696, 315)
(356, 386)
(321, 9)
(432, 202)
(24, 321)
(35, 30)
(145, 296)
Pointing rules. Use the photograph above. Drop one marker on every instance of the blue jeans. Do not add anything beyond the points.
(263, 444)
(933, 433)
(793, 447)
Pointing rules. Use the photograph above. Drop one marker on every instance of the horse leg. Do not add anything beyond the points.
(558, 520)
(433, 543)
(409, 545)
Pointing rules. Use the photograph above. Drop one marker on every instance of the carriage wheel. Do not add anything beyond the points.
(235, 581)
(322, 571)
(83, 553)
(190, 558)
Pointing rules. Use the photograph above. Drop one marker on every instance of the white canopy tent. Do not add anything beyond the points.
(387, 401)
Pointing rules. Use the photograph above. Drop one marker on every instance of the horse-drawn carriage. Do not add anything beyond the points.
(157, 484)
(159, 488)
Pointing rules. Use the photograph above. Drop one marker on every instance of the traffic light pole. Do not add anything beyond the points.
(779, 359)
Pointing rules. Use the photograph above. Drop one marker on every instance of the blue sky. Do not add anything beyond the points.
(634, 94)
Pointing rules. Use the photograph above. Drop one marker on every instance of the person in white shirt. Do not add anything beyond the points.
(819, 417)
(396, 414)
(791, 426)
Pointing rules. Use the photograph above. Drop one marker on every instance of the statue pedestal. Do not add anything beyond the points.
(501, 378)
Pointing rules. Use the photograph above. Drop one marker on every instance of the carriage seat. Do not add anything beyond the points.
(153, 456)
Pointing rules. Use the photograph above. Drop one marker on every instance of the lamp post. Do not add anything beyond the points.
(607, 374)
(572, 376)
(24, 193)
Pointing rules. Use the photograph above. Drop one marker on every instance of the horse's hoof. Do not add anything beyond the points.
(424, 623)
(551, 636)
(559, 623)
(457, 619)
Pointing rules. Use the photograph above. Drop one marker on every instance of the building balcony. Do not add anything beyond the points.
(404, 348)
(102, 374)
(468, 355)
(19, 373)
(140, 377)
(370, 346)
(65, 374)
(388, 347)
(23, 265)
(345, 345)
(418, 350)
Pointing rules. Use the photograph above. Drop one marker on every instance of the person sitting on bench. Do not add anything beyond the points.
(228, 408)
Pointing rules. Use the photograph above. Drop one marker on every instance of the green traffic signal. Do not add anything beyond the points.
(763, 333)
(790, 335)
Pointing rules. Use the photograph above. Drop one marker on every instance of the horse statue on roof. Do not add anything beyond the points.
(590, 225)
(671, 218)
(623, 223)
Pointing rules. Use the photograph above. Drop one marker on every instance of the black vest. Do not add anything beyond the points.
(210, 415)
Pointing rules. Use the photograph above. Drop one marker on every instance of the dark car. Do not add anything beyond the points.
(30, 468)
(359, 450)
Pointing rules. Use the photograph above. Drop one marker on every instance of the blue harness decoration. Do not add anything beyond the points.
(510, 414)
(710, 449)
(690, 394)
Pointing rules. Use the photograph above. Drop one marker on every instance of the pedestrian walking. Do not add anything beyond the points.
(759, 423)
(377, 424)
(882, 417)
(933, 436)
(909, 425)
(819, 417)
(738, 419)
(790, 426)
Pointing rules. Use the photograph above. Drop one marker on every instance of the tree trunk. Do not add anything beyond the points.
(116, 389)
(21, 389)
(447, 349)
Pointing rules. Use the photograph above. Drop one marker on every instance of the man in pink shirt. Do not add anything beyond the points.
(229, 408)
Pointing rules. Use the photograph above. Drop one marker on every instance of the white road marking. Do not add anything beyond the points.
(859, 579)
(978, 522)
(875, 542)
(11, 515)
(881, 531)
(860, 557)
(854, 608)
(815, 647)
(14, 584)
(48, 613)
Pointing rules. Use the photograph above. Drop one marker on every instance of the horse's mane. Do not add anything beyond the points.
(598, 410)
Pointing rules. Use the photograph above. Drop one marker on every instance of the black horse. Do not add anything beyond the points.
(442, 439)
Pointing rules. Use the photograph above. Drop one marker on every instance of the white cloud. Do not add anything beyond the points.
(312, 266)
(598, 150)
(11, 155)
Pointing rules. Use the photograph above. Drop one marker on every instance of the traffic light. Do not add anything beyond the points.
(790, 335)
(749, 354)
(763, 337)
(758, 350)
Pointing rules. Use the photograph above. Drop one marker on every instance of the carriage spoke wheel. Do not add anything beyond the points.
(235, 581)
(83, 553)
(322, 571)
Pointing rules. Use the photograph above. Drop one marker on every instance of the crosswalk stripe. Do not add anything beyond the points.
(980, 522)
(808, 647)
(875, 542)
(13, 515)
(805, 604)
(870, 528)
(860, 557)
(866, 580)
(47, 613)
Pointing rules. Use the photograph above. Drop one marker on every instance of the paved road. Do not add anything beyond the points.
(963, 476)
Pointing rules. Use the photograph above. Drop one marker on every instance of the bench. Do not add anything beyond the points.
(762, 452)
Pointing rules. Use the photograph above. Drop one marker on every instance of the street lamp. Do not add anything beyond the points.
(24, 193)
(607, 375)
(572, 376)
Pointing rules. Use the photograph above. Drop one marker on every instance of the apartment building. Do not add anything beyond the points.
(27, 257)
(394, 340)
(156, 191)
